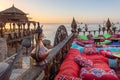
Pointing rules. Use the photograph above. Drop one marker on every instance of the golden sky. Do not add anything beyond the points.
(62, 11)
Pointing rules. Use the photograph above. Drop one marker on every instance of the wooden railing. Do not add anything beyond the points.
(17, 37)
(12, 61)
(7, 73)
(54, 59)
(98, 32)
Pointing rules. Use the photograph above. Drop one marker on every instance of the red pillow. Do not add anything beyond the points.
(90, 50)
(83, 62)
(107, 53)
(97, 74)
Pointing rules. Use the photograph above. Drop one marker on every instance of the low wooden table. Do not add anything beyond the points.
(97, 40)
(117, 54)
(115, 39)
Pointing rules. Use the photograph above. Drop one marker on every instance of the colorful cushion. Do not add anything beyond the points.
(82, 37)
(83, 62)
(107, 53)
(64, 77)
(107, 36)
(97, 74)
(90, 50)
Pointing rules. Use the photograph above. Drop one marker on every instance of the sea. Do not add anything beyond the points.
(49, 30)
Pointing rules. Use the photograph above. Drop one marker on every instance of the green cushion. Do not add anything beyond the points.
(95, 36)
(105, 42)
(82, 37)
(107, 36)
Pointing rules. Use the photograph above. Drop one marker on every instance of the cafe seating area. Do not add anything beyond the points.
(95, 57)
(104, 39)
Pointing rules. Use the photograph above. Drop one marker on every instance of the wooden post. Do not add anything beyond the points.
(89, 32)
(28, 25)
(19, 29)
(2, 25)
(34, 25)
(1, 32)
(14, 27)
(10, 27)
(23, 26)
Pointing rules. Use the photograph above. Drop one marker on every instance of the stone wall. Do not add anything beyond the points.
(3, 49)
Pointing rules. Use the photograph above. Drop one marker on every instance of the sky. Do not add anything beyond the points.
(62, 11)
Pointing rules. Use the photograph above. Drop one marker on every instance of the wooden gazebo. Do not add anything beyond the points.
(15, 17)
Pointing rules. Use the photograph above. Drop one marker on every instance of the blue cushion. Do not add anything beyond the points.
(112, 63)
(76, 46)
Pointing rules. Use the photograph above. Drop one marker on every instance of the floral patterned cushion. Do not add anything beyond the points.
(90, 50)
(64, 77)
(83, 62)
(98, 74)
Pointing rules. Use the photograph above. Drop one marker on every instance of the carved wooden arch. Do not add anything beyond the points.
(61, 34)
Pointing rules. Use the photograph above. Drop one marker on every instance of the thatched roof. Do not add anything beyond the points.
(13, 14)
(13, 9)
